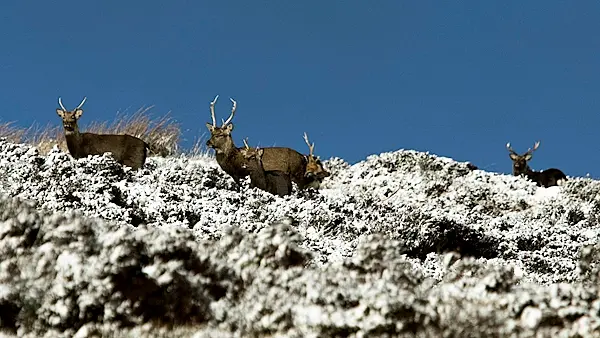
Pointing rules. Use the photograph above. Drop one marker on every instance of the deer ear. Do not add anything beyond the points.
(513, 157)
(260, 152)
(60, 112)
(210, 127)
(229, 128)
(78, 113)
(528, 157)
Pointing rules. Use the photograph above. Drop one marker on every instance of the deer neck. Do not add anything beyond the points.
(532, 174)
(73, 139)
(230, 156)
(255, 167)
(525, 171)
(227, 148)
(529, 171)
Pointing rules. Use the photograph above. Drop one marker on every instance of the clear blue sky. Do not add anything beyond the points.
(456, 78)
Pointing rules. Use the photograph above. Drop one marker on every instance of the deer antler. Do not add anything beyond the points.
(246, 143)
(61, 105)
(310, 147)
(65, 109)
(232, 112)
(529, 151)
(510, 148)
(212, 111)
(535, 146)
(81, 104)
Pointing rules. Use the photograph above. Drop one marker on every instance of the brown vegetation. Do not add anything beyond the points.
(161, 133)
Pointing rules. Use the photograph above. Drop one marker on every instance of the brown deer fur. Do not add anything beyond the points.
(274, 159)
(546, 178)
(274, 182)
(315, 173)
(126, 149)
(228, 155)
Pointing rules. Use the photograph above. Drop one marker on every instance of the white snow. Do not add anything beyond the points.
(465, 236)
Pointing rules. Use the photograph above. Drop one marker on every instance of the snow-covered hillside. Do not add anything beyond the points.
(401, 244)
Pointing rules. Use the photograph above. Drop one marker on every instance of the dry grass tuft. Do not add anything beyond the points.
(11, 133)
(43, 138)
(162, 134)
(199, 147)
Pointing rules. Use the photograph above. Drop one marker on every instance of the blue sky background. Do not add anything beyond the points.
(458, 79)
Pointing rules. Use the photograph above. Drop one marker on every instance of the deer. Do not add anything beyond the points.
(279, 159)
(315, 173)
(546, 178)
(274, 182)
(229, 157)
(126, 149)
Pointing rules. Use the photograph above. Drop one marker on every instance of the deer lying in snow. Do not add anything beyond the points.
(274, 182)
(274, 159)
(546, 178)
(125, 149)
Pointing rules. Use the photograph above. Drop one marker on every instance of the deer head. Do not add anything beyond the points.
(253, 156)
(220, 137)
(314, 167)
(520, 166)
(69, 118)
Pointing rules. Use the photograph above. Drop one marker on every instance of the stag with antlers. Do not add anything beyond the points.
(315, 172)
(228, 155)
(546, 178)
(126, 149)
(274, 159)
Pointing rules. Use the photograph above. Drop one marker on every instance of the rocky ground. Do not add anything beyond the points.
(401, 244)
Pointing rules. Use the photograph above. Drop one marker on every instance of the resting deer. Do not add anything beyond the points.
(279, 159)
(545, 178)
(126, 149)
(274, 182)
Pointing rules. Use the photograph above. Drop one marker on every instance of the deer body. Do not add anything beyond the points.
(232, 162)
(126, 149)
(281, 160)
(275, 182)
(275, 159)
(545, 178)
(289, 162)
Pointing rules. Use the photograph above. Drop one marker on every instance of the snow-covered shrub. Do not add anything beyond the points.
(401, 244)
